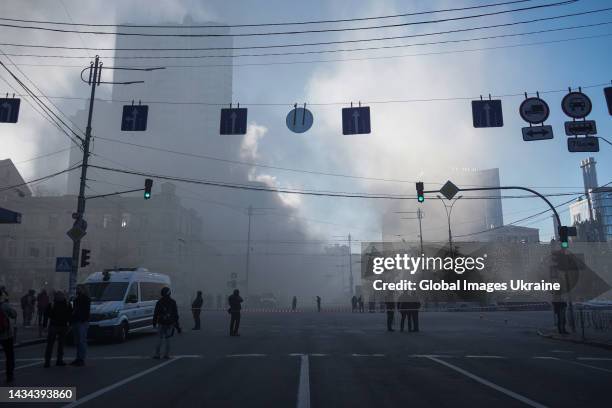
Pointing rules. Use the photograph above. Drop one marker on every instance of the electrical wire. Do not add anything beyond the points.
(280, 33)
(41, 178)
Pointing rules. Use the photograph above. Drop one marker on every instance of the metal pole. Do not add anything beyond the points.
(350, 266)
(420, 216)
(248, 253)
(76, 244)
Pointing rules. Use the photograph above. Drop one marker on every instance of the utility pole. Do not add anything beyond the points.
(80, 225)
(449, 211)
(248, 250)
(350, 249)
(94, 82)
(419, 215)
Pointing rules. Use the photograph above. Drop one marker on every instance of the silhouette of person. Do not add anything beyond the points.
(235, 305)
(318, 303)
(361, 305)
(354, 304)
(390, 308)
(294, 304)
(413, 315)
(196, 309)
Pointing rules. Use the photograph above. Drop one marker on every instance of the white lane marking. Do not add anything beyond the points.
(367, 355)
(469, 356)
(545, 358)
(488, 383)
(431, 355)
(594, 358)
(303, 395)
(587, 365)
(25, 366)
(246, 355)
(318, 355)
(561, 351)
(111, 387)
(296, 354)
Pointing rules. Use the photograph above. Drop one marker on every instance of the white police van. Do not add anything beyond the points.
(123, 301)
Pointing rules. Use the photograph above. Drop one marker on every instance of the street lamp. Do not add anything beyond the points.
(449, 211)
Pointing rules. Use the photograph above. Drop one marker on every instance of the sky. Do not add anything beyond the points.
(409, 141)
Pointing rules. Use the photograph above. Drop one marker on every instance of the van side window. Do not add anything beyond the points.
(150, 290)
(132, 296)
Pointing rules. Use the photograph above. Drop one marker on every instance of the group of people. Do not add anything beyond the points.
(409, 310)
(357, 304)
(31, 302)
(61, 315)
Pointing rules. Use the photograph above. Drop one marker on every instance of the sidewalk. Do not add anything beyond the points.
(593, 338)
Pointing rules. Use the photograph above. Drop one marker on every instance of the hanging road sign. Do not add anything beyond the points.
(356, 120)
(134, 118)
(9, 110)
(233, 121)
(487, 113)
(299, 120)
(583, 144)
(532, 133)
(449, 190)
(9, 217)
(608, 94)
(576, 105)
(534, 110)
(63, 264)
(78, 230)
(580, 127)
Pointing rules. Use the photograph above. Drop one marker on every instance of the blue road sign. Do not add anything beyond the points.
(233, 121)
(487, 113)
(9, 110)
(299, 120)
(608, 94)
(134, 118)
(356, 120)
(63, 264)
(9, 217)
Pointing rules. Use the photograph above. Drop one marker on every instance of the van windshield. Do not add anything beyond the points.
(106, 291)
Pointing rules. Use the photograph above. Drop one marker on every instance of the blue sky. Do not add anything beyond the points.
(409, 140)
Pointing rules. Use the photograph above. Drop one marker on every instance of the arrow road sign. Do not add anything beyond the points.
(63, 264)
(534, 110)
(532, 133)
(608, 94)
(233, 121)
(576, 105)
(356, 120)
(449, 190)
(299, 120)
(9, 110)
(581, 127)
(487, 113)
(134, 118)
(583, 144)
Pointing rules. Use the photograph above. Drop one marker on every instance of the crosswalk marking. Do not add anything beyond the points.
(303, 396)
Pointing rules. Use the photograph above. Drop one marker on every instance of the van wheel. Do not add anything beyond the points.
(123, 333)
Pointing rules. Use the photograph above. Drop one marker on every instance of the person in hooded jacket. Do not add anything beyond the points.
(166, 320)
(59, 313)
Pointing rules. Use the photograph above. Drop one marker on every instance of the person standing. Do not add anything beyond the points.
(80, 323)
(413, 315)
(166, 319)
(361, 305)
(235, 305)
(27, 307)
(354, 304)
(196, 309)
(318, 303)
(294, 304)
(559, 308)
(403, 306)
(6, 334)
(42, 303)
(59, 313)
(390, 307)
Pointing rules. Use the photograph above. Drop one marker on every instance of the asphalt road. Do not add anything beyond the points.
(335, 360)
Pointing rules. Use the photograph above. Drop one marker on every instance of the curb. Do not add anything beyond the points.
(607, 346)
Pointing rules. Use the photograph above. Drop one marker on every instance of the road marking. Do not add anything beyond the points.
(111, 387)
(25, 366)
(594, 358)
(545, 358)
(367, 355)
(246, 355)
(318, 355)
(587, 365)
(561, 351)
(431, 355)
(485, 357)
(303, 395)
(481, 380)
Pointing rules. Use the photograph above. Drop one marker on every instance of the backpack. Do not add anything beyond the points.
(165, 314)
(5, 324)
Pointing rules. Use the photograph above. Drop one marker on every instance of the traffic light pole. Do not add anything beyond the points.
(94, 81)
(248, 253)
(351, 266)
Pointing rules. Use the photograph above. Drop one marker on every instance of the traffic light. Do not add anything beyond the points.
(419, 189)
(84, 257)
(147, 189)
(563, 236)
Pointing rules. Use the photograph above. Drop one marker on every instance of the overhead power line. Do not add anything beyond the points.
(41, 178)
(295, 32)
(309, 44)
(191, 26)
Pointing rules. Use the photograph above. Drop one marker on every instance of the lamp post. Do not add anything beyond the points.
(449, 212)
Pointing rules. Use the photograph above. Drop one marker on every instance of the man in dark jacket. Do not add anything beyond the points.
(235, 305)
(42, 303)
(80, 323)
(166, 319)
(59, 313)
(196, 309)
(7, 339)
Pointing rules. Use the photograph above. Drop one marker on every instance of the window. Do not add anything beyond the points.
(150, 290)
(33, 251)
(106, 220)
(53, 222)
(105, 291)
(50, 250)
(12, 248)
(132, 295)
(125, 220)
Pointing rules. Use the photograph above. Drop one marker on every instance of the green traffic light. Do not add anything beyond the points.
(147, 195)
(421, 199)
(564, 244)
